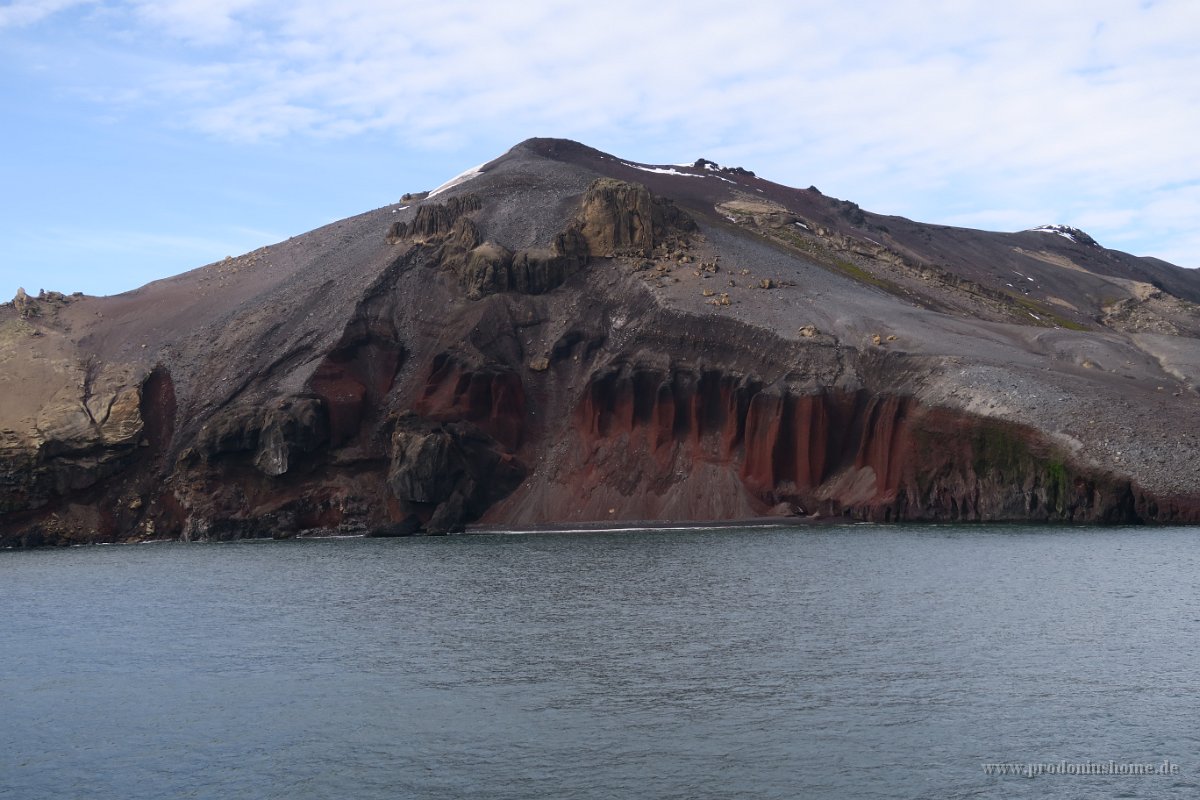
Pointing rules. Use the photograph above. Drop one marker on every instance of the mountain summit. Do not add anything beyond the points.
(561, 335)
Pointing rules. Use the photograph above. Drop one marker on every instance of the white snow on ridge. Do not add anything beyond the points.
(1064, 231)
(461, 178)
(672, 171)
(663, 171)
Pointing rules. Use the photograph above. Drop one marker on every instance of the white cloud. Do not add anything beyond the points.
(937, 111)
(197, 21)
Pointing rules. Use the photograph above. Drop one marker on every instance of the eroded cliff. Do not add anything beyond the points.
(558, 341)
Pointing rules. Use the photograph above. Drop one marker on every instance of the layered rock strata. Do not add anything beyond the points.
(559, 341)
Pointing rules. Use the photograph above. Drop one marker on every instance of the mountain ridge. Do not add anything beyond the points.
(566, 336)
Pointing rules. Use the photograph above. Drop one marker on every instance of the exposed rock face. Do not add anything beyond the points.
(21, 301)
(643, 435)
(615, 218)
(274, 435)
(1154, 311)
(566, 337)
(620, 218)
(490, 268)
(454, 472)
(437, 220)
(88, 430)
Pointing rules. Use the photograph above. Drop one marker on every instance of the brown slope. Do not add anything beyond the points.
(1031, 277)
(549, 341)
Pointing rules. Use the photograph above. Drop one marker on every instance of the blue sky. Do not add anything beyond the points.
(145, 138)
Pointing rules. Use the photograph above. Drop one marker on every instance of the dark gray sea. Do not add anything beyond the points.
(824, 662)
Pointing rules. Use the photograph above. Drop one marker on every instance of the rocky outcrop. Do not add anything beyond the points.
(87, 432)
(270, 437)
(55, 478)
(490, 268)
(449, 474)
(957, 467)
(1153, 311)
(620, 218)
(21, 302)
(485, 267)
(615, 218)
(435, 220)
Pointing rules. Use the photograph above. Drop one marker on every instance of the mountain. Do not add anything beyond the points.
(563, 336)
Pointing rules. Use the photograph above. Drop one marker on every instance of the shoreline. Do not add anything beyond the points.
(600, 526)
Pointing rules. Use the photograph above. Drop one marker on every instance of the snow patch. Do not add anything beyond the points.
(671, 170)
(1067, 232)
(663, 170)
(459, 179)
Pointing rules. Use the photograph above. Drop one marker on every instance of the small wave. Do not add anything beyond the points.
(634, 529)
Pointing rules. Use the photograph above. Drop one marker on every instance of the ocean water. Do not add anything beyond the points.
(857, 661)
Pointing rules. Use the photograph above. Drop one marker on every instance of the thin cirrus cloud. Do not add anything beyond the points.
(26, 12)
(969, 112)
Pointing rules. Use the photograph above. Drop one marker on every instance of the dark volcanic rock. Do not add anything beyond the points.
(570, 337)
(455, 470)
(409, 526)
(615, 218)
(620, 218)
(434, 220)
(274, 435)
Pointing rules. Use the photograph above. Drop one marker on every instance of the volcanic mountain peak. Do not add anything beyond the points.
(1067, 232)
(561, 335)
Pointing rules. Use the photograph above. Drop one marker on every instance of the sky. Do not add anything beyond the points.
(140, 139)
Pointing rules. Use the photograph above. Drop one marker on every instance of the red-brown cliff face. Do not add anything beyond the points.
(643, 441)
(568, 338)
